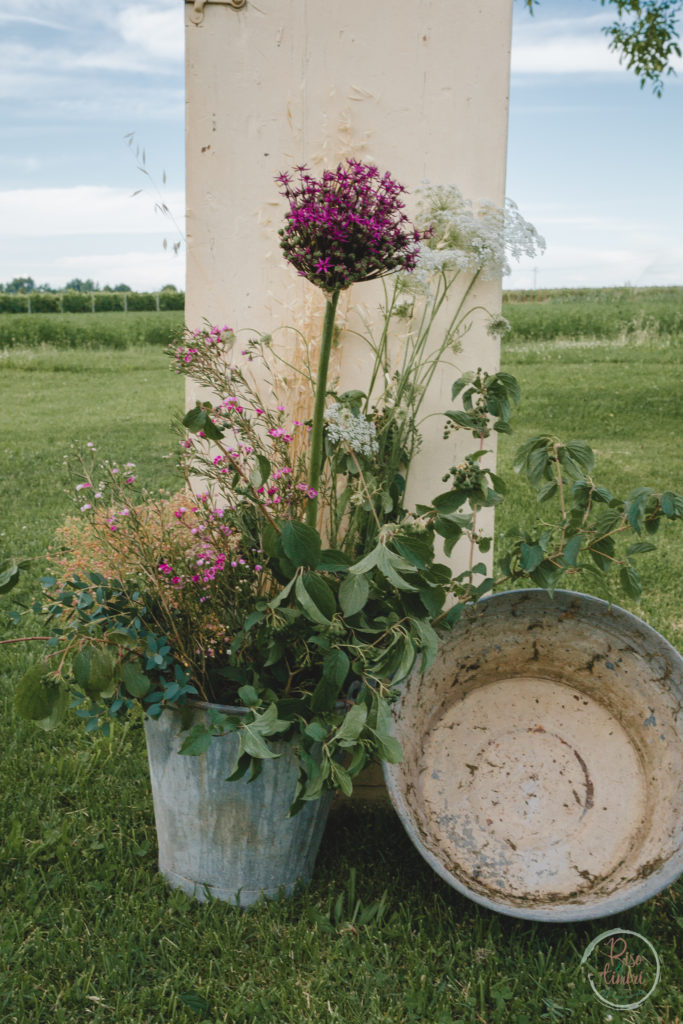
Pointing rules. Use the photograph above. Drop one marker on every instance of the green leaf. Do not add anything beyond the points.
(462, 382)
(602, 553)
(546, 576)
(81, 668)
(388, 563)
(672, 505)
(353, 594)
(342, 779)
(369, 562)
(388, 748)
(134, 679)
(571, 550)
(260, 472)
(253, 743)
(301, 543)
(547, 491)
(316, 731)
(636, 504)
(630, 581)
(278, 599)
(463, 419)
(532, 459)
(429, 640)
(336, 666)
(324, 697)
(258, 616)
(353, 724)
(268, 722)
(609, 519)
(199, 419)
(641, 548)
(498, 483)
(578, 456)
(538, 466)
(433, 599)
(95, 671)
(415, 550)
(197, 742)
(248, 696)
(9, 575)
(316, 598)
(449, 501)
(35, 697)
(332, 560)
(531, 556)
(454, 614)
(602, 494)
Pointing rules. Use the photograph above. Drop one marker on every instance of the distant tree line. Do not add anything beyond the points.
(26, 285)
(22, 295)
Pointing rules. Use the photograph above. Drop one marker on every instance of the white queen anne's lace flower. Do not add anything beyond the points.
(469, 238)
(357, 431)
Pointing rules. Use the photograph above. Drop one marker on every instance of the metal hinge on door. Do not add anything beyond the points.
(197, 13)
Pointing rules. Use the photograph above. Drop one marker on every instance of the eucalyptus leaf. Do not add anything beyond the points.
(35, 697)
(134, 679)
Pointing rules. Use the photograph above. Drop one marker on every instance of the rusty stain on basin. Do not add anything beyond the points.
(543, 757)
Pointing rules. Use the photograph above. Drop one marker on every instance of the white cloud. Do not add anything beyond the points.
(8, 18)
(141, 269)
(560, 46)
(85, 210)
(159, 31)
(587, 266)
(564, 55)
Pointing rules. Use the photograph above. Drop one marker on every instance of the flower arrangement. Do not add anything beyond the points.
(286, 577)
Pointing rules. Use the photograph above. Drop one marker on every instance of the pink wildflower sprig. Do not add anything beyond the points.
(200, 348)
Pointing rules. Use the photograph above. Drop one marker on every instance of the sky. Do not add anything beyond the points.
(593, 161)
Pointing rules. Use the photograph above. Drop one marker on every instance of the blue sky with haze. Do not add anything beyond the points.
(593, 160)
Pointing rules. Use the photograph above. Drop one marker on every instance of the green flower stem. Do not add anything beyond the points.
(319, 408)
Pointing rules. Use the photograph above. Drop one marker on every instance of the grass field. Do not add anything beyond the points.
(89, 931)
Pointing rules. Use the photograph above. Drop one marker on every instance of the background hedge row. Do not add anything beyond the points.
(91, 302)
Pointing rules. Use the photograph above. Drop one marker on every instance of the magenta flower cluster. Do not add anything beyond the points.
(200, 348)
(346, 226)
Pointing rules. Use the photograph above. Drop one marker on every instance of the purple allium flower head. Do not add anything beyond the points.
(346, 226)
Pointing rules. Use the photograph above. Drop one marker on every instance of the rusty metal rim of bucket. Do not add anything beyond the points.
(666, 875)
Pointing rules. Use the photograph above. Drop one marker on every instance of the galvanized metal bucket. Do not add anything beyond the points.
(229, 840)
(543, 758)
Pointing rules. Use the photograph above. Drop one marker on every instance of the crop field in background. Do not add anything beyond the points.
(89, 930)
(89, 330)
(608, 313)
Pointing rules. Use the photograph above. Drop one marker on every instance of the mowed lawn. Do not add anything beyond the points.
(88, 929)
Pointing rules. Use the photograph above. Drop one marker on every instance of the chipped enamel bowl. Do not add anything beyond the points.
(543, 758)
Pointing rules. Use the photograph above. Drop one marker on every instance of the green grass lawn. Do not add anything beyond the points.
(90, 932)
